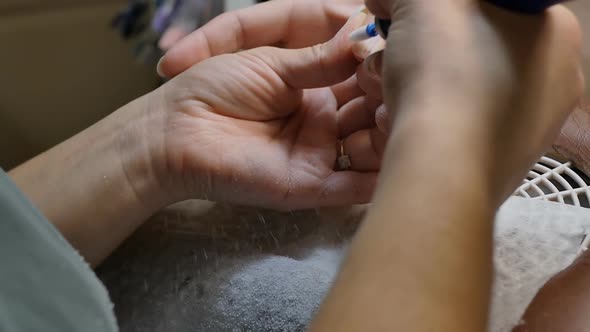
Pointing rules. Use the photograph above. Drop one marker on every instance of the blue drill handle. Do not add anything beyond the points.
(519, 6)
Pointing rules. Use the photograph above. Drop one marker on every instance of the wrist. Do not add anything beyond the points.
(141, 150)
(173, 158)
(97, 187)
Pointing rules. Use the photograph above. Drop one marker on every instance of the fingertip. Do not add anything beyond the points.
(364, 49)
(347, 91)
(356, 115)
(369, 77)
(160, 68)
(170, 65)
(175, 61)
(186, 52)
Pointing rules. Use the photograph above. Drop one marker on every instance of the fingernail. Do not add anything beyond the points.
(383, 120)
(159, 68)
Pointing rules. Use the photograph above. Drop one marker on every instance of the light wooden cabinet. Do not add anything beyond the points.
(62, 68)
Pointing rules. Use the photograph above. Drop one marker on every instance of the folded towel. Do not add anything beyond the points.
(534, 240)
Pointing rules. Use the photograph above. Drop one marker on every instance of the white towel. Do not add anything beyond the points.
(534, 240)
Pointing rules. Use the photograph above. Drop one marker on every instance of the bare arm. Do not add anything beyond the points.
(89, 187)
(476, 94)
(422, 259)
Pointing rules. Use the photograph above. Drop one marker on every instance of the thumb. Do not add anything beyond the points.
(171, 36)
(317, 66)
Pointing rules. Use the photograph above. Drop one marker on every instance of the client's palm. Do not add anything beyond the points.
(243, 130)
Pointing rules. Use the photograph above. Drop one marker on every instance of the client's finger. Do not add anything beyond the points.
(369, 75)
(356, 115)
(365, 149)
(317, 66)
(262, 24)
(364, 49)
(347, 90)
(384, 120)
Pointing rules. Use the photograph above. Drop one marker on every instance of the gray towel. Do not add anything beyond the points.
(235, 269)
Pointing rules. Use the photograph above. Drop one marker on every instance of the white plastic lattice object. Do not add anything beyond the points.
(551, 180)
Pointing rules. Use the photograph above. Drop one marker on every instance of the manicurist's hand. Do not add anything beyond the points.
(285, 23)
(522, 72)
(474, 95)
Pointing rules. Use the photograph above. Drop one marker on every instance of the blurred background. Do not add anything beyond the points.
(65, 64)
(68, 63)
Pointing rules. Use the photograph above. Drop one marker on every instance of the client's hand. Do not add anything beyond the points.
(257, 127)
(286, 23)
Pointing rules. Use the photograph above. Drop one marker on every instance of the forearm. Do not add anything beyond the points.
(422, 259)
(90, 186)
